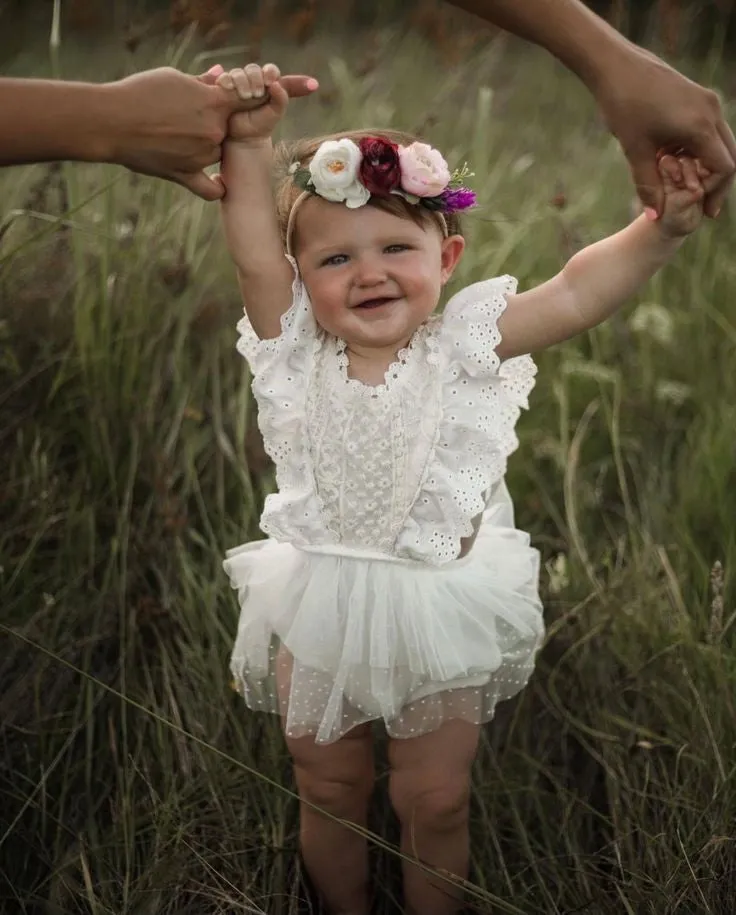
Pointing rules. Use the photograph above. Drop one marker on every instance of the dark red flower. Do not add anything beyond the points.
(380, 171)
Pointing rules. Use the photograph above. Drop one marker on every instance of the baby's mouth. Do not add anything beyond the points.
(369, 304)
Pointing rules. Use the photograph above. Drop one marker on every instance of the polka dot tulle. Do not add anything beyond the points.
(310, 705)
(359, 606)
(331, 639)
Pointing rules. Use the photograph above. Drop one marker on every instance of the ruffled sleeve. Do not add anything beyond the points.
(281, 369)
(298, 329)
(482, 399)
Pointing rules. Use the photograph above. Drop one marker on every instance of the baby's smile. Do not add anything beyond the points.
(370, 304)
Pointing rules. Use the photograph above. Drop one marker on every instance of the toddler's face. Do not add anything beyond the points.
(373, 278)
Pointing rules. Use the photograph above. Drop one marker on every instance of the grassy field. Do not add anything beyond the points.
(132, 780)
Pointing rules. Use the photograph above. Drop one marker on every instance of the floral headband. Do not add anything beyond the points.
(344, 171)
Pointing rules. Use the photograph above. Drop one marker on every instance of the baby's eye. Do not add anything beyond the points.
(335, 260)
(396, 249)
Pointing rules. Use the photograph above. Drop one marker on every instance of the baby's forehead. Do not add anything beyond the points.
(320, 222)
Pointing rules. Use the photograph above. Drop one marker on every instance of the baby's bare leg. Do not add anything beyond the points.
(338, 778)
(430, 792)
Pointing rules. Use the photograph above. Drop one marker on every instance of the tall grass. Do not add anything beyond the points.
(132, 780)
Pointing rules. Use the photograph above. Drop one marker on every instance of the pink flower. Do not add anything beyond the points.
(424, 172)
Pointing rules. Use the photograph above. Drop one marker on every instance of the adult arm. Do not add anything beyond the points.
(647, 104)
(160, 122)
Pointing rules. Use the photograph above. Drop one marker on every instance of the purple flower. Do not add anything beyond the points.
(459, 198)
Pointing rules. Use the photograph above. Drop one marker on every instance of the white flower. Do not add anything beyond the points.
(334, 170)
(559, 577)
(522, 164)
(655, 321)
(424, 171)
(673, 392)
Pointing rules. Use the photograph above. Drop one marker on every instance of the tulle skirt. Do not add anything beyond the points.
(331, 638)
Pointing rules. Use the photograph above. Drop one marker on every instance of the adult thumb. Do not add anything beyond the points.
(210, 77)
(208, 187)
(297, 85)
(648, 181)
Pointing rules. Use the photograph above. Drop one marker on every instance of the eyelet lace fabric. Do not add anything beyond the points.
(282, 369)
(481, 400)
(403, 467)
(357, 607)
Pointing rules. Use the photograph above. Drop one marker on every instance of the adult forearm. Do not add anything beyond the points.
(48, 120)
(604, 276)
(582, 41)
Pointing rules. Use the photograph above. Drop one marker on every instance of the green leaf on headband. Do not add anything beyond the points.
(303, 179)
(460, 175)
(431, 203)
(410, 198)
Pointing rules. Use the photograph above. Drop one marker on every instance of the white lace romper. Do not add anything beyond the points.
(357, 606)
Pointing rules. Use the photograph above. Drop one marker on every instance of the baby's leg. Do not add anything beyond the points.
(338, 778)
(430, 792)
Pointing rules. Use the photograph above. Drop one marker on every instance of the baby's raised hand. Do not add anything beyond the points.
(682, 178)
(261, 86)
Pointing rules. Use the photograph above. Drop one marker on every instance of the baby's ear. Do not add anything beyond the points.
(452, 251)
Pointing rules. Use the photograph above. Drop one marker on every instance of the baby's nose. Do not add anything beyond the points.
(370, 271)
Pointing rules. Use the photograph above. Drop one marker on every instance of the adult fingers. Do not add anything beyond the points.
(718, 184)
(670, 170)
(691, 180)
(297, 86)
(645, 172)
(210, 77)
(203, 185)
(690, 177)
(703, 172)
(294, 86)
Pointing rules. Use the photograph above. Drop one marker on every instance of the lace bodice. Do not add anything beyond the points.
(402, 468)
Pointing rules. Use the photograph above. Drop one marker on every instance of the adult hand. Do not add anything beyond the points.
(652, 108)
(260, 86)
(171, 125)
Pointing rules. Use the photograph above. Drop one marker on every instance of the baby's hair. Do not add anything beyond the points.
(302, 151)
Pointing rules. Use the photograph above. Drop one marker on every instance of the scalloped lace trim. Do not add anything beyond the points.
(394, 373)
(482, 398)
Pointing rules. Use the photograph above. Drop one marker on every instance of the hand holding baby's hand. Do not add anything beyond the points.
(682, 178)
(269, 98)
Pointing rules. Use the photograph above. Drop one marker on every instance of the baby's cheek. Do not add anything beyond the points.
(328, 311)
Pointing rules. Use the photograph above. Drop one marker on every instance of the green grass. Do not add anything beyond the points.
(132, 780)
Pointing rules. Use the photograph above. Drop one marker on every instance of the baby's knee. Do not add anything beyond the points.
(335, 793)
(434, 801)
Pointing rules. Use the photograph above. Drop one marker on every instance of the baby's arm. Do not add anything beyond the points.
(598, 280)
(248, 208)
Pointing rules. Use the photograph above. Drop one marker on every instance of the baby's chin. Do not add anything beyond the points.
(374, 326)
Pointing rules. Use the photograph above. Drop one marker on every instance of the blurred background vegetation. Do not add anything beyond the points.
(675, 24)
(132, 780)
